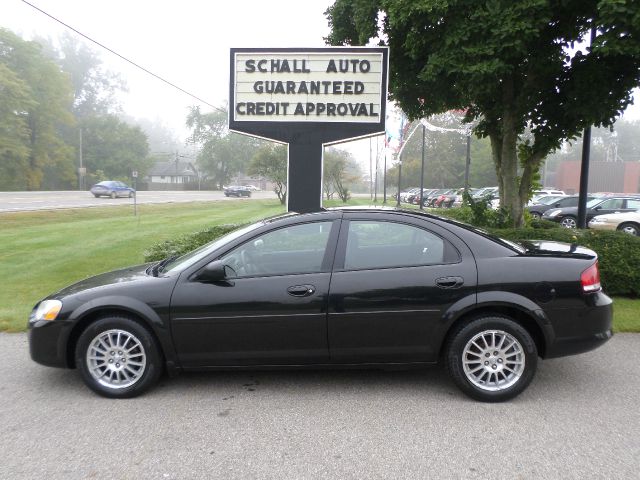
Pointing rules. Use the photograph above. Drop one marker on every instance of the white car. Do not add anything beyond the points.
(627, 222)
(253, 188)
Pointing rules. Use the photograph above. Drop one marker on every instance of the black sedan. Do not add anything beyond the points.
(568, 216)
(536, 211)
(350, 287)
(236, 191)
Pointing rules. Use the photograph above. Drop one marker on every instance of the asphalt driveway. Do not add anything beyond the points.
(578, 419)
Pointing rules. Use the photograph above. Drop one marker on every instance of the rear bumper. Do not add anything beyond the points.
(579, 331)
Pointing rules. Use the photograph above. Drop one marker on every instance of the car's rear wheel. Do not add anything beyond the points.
(535, 215)
(118, 357)
(569, 222)
(113, 195)
(630, 228)
(492, 358)
(97, 196)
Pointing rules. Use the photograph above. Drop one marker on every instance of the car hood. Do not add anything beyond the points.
(557, 249)
(116, 277)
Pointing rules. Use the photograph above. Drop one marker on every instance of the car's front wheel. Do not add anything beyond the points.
(492, 358)
(630, 228)
(569, 222)
(118, 357)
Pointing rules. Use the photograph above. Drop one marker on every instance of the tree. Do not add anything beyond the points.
(223, 154)
(32, 149)
(509, 64)
(15, 101)
(114, 147)
(270, 161)
(341, 170)
(94, 89)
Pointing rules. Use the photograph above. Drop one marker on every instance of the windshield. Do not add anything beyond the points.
(185, 261)
(594, 202)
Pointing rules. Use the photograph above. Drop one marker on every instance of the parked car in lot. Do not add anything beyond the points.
(236, 191)
(628, 222)
(344, 287)
(568, 216)
(113, 189)
(536, 211)
(253, 188)
(430, 199)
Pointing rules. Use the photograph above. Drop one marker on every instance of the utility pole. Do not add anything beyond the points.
(375, 189)
(584, 169)
(467, 164)
(370, 171)
(384, 178)
(399, 178)
(80, 168)
(424, 134)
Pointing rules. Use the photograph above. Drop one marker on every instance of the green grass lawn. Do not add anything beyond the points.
(41, 252)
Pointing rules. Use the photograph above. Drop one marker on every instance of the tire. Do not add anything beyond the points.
(97, 196)
(113, 377)
(569, 222)
(535, 215)
(131, 194)
(630, 228)
(113, 195)
(482, 380)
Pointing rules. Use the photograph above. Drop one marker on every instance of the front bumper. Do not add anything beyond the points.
(47, 343)
(603, 226)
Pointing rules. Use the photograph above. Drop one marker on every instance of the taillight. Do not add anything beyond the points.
(590, 279)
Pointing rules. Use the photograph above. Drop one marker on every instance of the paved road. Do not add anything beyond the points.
(579, 419)
(22, 201)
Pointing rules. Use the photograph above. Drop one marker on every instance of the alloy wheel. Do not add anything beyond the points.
(116, 359)
(493, 360)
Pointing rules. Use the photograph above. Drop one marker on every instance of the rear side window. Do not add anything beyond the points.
(375, 244)
(635, 204)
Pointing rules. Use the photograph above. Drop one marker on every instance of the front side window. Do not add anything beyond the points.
(286, 251)
(373, 244)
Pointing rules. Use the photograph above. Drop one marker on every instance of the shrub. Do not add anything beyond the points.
(618, 253)
(186, 243)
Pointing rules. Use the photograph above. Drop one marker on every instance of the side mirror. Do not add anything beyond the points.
(596, 208)
(214, 272)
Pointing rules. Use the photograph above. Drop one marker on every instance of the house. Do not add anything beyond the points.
(175, 171)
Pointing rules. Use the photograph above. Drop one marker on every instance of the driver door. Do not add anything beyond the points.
(270, 311)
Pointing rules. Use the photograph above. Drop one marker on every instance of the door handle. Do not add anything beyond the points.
(449, 282)
(301, 290)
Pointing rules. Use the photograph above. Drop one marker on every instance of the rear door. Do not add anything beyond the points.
(393, 280)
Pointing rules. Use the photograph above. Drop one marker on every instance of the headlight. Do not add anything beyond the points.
(553, 213)
(47, 310)
(598, 220)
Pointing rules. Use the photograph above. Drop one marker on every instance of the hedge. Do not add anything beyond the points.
(186, 243)
(618, 253)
